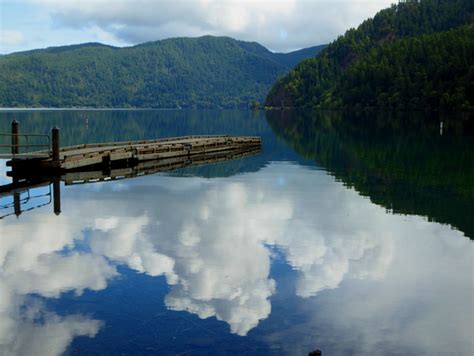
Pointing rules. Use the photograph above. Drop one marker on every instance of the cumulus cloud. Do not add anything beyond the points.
(419, 307)
(222, 264)
(123, 241)
(25, 336)
(217, 265)
(281, 25)
(327, 251)
(11, 38)
(215, 252)
(32, 262)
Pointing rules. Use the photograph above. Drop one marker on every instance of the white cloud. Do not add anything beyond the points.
(214, 253)
(11, 38)
(216, 265)
(421, 306)
(52, 336)
(3, 173)
(123, 240)
(100, 35)
(222, 264)
(31, 262)
(303, 23)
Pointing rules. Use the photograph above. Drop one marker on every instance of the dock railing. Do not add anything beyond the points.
(20, 142)
(19, 201)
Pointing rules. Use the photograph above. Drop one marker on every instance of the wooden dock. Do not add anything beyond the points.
(110, 161)
(111, 154)
(24, 182)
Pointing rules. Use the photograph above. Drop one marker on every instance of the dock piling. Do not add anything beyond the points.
(57, 195)
(17, 204)
(55, 143)
(15, 131)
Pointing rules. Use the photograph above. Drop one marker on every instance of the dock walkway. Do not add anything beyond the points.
(110, 153)
(101, 162)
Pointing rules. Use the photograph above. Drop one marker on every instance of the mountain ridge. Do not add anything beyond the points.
(183, 72)
(402, 58)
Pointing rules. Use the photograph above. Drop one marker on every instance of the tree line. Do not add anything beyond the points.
(413, 55)
(205, 72)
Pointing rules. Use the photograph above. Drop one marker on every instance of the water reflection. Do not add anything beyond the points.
(400, 161)
(32, 267)
(288, 258)
(216, 254)
(25, 182)
(133, 125)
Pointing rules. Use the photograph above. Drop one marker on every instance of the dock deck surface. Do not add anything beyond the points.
(107, 153)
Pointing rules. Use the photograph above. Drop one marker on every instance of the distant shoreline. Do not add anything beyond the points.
(103, 109)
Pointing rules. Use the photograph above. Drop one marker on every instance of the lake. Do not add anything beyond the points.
(352, 234)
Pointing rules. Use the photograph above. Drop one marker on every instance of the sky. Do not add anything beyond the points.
(280, 25)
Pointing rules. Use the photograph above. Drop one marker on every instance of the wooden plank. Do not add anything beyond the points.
(89, 154)
(84, 177)
(116, 156)
(155, 166)
(86, 161)
(160, 155)
(161, 145)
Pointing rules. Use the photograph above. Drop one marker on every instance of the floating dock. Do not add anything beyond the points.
(102, 162)
(23, 182)
(113, 154)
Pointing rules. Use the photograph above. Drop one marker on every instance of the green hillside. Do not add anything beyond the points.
(181, 72)
(413, 55)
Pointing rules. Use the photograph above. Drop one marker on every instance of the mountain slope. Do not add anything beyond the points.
(179, 72)
(343, 74)
(432, 71)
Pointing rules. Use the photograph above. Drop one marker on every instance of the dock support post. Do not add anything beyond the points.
(55, 143)
(14, 137)
(17, 204)
(57, 195)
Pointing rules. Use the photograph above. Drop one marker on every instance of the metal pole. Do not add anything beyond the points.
(55, 136)
(14, 137)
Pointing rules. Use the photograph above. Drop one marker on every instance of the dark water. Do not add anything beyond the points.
(350, 234)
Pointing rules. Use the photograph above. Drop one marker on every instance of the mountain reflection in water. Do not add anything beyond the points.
(283, 259)
(401, 161)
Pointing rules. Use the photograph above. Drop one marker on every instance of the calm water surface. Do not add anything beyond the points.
(348, 234)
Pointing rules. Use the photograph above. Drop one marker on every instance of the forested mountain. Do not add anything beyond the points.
(413, 55)
(180, 72)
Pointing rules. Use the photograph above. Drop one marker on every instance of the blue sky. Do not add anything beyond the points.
(280, 25)
(29, 25)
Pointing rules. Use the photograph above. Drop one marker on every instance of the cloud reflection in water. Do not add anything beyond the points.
(31, 263)
(210, 239)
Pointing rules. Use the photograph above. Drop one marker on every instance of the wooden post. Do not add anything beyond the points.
(15, 137)
(17, 204)
(57, 195)
(55, 143)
